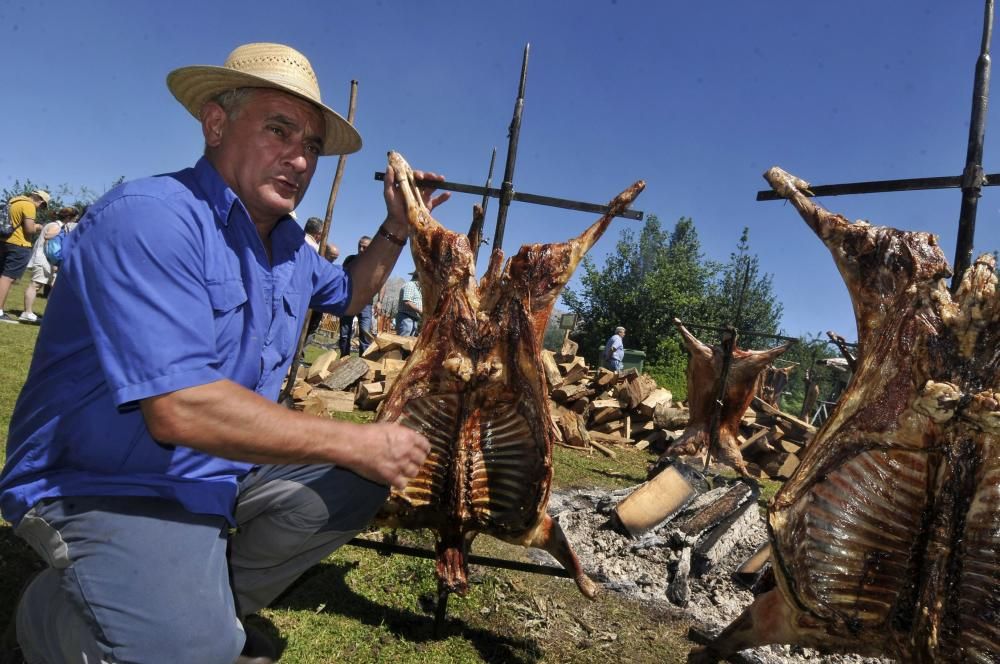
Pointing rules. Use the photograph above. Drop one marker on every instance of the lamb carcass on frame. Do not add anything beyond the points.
(886, 540)
(475, 386)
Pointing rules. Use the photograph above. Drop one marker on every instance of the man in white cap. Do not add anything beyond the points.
(148, 430)
(15, 249)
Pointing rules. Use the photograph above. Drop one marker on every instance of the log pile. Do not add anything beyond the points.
(344, 384)
(593, 409)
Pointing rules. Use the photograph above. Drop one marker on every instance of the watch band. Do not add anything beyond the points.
(395, 239)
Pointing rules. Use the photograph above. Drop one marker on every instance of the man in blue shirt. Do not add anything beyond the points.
(614, 350)
(148, 429)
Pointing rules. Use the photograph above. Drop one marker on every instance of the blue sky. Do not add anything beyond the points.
(696, 98)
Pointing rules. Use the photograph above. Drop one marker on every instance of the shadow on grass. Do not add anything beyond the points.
(408, 625)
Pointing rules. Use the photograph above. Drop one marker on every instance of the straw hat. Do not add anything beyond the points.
(263, 66)
(44, 195)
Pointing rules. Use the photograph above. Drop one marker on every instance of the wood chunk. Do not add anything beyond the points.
(754, 567)
(301, 390)
(370, 395)
(320, 368)
(614, 439)
(787, 467)
(573, 371)
(655, 501)
(569, 392)
(580, 406)
(679, 589)
(374, 370)
(602, 414)
(603, 379)
(574, 430)
(551, 369)
(386, 342)
(334, 401)
(655, 398)
(606, 451)
(569, 347)
(668, 417)
(615, 426)
(755, 444)
(345, 372)
(712, 515)
(634, 389)
(807, 430)
(790, 446)
(721, 540)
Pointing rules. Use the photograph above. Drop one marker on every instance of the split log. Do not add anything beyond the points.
(657, 501)
(320, 367)
(323, 402)
(568, 350)
(667, 417)
(551, 369)
(614, 439)
(574, 429)
(301, 390)
(754, 567)
(634, 389)
(604, 411)
(603, 379)
(756, 444)
(709, 517)
(386, 342)
(573, 371)
(725, 536)
(569, 392)
(370, 394)
(606, 451)
(804, 429)
(655, 398)
(580, 406)
(344, 372)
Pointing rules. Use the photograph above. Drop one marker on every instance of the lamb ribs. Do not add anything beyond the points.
(886, 540)
(474, 385)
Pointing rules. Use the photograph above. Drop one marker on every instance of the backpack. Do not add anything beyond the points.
(54, 246)
(6, 226)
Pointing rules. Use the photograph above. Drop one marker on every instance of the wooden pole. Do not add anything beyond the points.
(334, 189)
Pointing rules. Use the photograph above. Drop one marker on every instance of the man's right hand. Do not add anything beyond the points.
(389, 453)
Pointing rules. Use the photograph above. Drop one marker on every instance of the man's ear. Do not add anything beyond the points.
(213, 122)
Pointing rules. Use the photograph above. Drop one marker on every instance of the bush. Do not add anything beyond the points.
(670, 376)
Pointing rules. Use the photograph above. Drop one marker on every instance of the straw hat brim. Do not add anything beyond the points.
(193, 86)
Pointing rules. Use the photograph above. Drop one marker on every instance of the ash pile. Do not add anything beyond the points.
(693, 541)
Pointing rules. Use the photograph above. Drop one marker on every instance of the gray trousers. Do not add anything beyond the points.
(142, 580)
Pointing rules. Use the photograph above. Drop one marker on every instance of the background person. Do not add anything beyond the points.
(15, 250)
(614, 350)
(411, 307)
(42, 272)
(188, 496)
(364, 316)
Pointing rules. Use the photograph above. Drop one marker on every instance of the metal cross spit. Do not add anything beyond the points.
(972, 179)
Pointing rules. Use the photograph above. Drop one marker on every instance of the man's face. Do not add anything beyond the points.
(363, 244)
(268, 152)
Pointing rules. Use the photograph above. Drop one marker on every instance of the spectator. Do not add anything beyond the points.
(147, 435)
(411, 307)
(314, 231)
(332, 252)
(15, 250)
(364, 316)
(614, 350)
(42, 273)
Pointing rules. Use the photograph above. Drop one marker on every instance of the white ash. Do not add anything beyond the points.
(642, 568)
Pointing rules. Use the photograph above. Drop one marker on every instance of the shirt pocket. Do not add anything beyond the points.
(228, 300)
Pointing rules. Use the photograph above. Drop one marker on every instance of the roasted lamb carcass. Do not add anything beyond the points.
(886, 540)
(474, 385)
(704, 371)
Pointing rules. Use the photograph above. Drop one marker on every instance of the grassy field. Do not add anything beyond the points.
(360, 606)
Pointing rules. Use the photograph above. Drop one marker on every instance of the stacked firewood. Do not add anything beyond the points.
(598, 409)
(343, 384)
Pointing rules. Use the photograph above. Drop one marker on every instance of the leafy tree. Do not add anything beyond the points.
(647, 281)
(742, 296)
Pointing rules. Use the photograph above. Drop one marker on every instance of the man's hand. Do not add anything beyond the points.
(389, 454)
(395, 205)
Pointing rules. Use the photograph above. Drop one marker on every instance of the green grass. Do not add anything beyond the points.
(360, 606)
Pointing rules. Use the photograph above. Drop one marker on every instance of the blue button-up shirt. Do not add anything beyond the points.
(165, 285)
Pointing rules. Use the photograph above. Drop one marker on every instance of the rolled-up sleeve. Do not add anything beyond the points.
(331, 287)
(141, 282)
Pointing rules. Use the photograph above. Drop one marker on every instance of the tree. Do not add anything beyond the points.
(743, 297)
(647, 281)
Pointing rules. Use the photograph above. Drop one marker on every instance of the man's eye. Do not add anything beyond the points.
(313, 148)
(278, 131)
